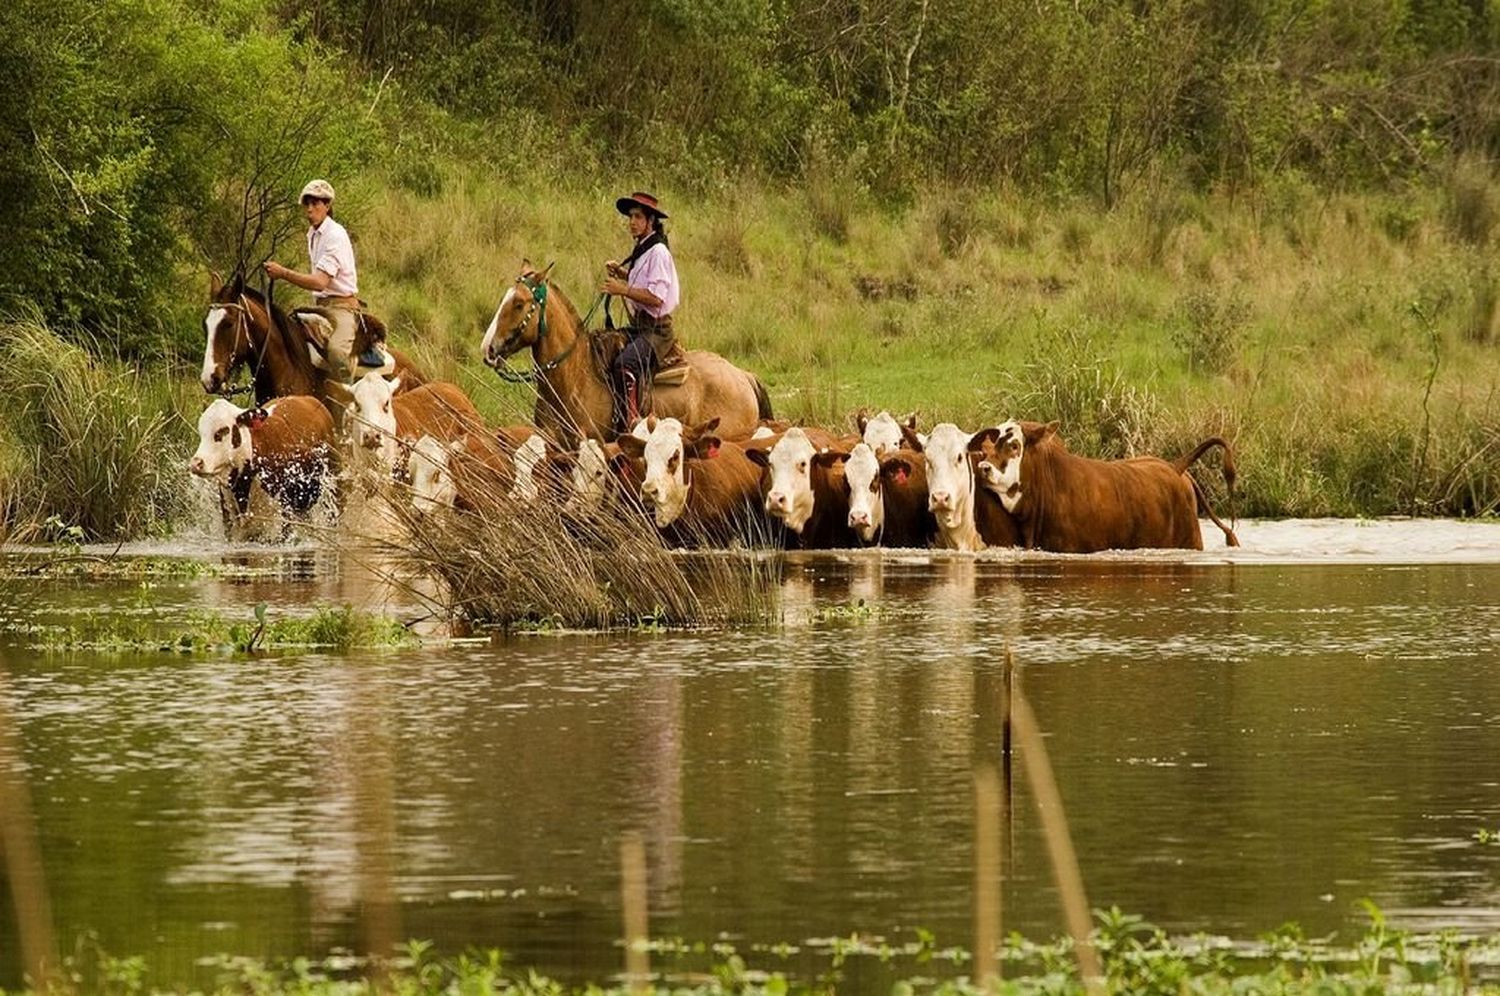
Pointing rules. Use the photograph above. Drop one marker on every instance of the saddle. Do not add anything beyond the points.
(369, 333)
(606, 344)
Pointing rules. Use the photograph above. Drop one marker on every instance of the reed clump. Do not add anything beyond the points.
(84, 439)
(524, 563)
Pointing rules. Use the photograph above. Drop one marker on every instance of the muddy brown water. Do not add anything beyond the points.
(1241, 738)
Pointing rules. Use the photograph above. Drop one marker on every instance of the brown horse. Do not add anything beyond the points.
(573, 393)
(245, 330)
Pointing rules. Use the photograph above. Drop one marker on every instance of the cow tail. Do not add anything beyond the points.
(762, 399)
(1230, 539)
(1183, 463)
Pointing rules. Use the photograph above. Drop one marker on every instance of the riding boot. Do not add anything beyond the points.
(632, 400)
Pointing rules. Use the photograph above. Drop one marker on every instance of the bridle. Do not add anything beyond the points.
(241, 329)
(537, 288)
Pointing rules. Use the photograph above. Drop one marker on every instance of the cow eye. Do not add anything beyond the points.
(874, 485)
(801, 466)
(219, 436)
(386, 406)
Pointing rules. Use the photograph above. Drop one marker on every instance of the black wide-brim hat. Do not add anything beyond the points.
(646, 202)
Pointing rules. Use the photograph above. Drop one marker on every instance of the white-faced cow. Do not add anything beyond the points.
(698, 486)
(1072, 504)
(883, 434)
(471, 473)
(967, 518)
(267, 461)
(802, 486)
(888, 497)
(383, 419)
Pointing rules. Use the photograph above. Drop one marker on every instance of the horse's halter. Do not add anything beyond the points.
(537, 287)
(241, 329)
(538, 291)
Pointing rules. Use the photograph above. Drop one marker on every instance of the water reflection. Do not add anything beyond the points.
(1235, 746)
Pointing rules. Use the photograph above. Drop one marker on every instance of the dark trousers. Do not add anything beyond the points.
(633, 369)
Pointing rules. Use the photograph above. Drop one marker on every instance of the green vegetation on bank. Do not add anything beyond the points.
(145, 629)
(1136, 957)
(1281, 228)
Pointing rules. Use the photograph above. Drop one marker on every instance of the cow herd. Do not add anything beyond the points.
(1011, 484)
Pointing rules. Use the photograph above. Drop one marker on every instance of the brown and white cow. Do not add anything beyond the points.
(1071, 504)
(383, 419)
(279, 458)
(888, 497)
(802, 486)
(476, 471)
(696, 485)
(967, 517)
(884, 434)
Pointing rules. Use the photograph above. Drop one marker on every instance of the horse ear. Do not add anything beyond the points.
(527, 266)
(236, 285)
(215, 283)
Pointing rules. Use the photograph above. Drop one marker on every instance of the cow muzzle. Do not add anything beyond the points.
(939, 501)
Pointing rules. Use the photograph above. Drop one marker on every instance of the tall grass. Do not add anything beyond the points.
(83, 440)
(539, 564)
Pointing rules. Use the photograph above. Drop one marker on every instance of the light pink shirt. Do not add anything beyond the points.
(656, 272)
(330, 250)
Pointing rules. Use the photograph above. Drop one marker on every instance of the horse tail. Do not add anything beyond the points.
(762, 399)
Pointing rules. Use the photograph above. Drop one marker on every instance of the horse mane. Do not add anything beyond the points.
(281, 324)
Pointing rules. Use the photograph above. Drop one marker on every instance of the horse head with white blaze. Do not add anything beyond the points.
(520, 319)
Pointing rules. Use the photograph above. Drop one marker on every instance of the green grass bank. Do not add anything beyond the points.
(1349, 344)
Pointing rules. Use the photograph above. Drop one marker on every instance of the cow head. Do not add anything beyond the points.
(374, 420)
(519, 318)
(867, 476)
(881, 433)
(224, 443)
(589, 473)
(665, 482)
(227, 342)
(787, 479)
(431, 469)
(1000, 452)
(529, 455)
(950, 476)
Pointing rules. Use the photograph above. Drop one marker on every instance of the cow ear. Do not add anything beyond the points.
(910, 437)
(395, 383)
(910, 422)
(897, 469)
(758, 455)
(706, 447)
(632, 446)
(706, 428)
(977, 441)
(829, 458)
(562, 462)
(861, 419)
(1035, 432)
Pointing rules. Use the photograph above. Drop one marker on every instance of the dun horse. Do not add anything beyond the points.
(242, 331)
(573, 390)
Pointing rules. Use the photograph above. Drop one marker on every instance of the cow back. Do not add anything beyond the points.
(441, 410)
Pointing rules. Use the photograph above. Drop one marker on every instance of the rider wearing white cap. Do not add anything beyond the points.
(333, 278)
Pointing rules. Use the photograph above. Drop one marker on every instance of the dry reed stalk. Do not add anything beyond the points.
(633, 905)
(23, 859)
(516, 561)
(1059, 841)
(380, 915)
(988, 817)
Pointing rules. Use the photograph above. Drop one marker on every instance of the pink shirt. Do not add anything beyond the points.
(330, 250)
(657, 273)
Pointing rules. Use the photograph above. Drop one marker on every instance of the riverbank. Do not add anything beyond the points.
(1348, 344)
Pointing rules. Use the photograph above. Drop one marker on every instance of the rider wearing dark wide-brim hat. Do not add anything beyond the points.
(647, 280)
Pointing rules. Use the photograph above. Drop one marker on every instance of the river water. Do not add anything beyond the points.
(1240, 738)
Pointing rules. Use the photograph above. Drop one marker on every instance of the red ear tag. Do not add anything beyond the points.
(901, 475)
(258, 418)
(713, 450)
